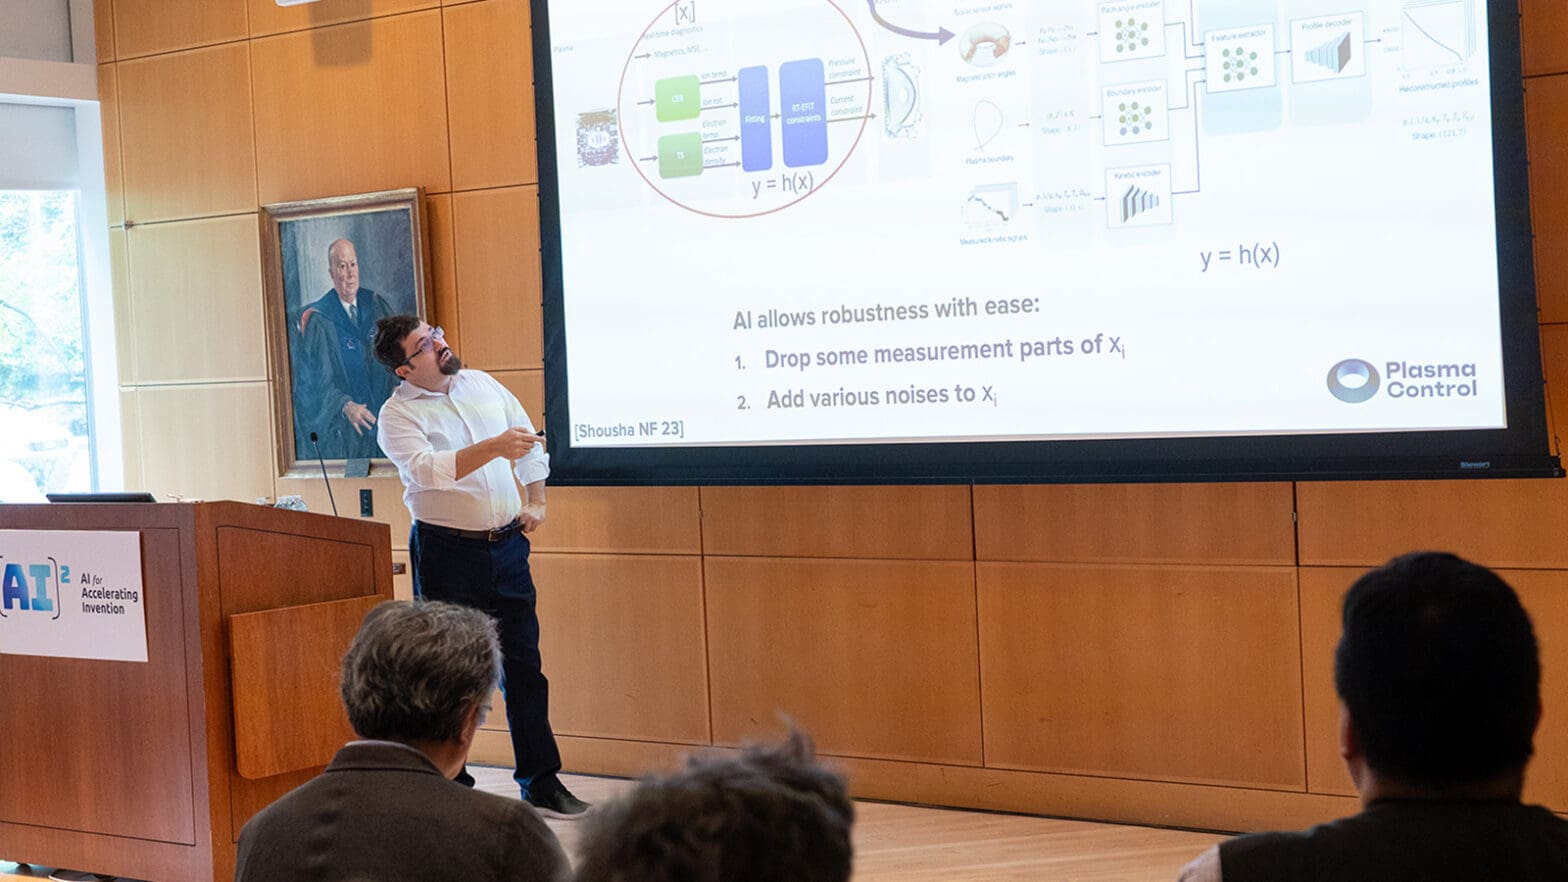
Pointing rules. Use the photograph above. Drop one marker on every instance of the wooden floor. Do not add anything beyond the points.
(918, 844)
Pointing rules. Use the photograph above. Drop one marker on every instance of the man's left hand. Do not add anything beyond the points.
(532, 516)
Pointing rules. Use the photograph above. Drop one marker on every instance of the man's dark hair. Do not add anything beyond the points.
(415, 670)
(771, 814)
(1439, 669)
(390, 333)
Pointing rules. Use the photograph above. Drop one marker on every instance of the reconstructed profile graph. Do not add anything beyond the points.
(1435, 33)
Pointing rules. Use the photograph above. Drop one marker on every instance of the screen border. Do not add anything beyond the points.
(1521, 450)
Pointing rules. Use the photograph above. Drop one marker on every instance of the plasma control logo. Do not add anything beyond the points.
(72, 594)
(1355, 381)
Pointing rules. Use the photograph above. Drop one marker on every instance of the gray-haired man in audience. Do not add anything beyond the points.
(416, 683)
(1439, 681)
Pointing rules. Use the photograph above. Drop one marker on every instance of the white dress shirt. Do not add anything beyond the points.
(421, 432)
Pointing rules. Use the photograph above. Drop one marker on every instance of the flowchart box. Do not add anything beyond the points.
(1132, 29)
(1329, 47)
(1239, 58)
(1135, 112)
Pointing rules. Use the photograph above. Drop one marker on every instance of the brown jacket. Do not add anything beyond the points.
(383, 812)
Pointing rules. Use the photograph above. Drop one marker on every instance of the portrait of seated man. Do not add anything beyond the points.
(341, 386)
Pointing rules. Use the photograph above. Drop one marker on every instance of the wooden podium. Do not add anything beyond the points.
(150, 770)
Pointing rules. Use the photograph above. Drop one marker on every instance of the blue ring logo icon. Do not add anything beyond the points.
(1353, 381)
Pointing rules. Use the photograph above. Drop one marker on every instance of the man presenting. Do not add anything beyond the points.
(458, 438)
(341, 387)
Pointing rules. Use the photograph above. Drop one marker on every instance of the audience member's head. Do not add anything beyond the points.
(1438, 672)
(770, 814)
(421, 674)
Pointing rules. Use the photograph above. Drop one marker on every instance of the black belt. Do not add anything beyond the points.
(495, 535)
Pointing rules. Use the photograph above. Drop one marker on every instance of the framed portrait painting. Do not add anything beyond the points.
(333, 268)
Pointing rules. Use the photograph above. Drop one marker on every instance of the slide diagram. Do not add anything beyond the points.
(739, 109)
(1311, 50)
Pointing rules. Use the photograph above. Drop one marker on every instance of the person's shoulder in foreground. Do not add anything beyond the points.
(770, 814)
(416, 684)
(376, 816)
(1438, 676)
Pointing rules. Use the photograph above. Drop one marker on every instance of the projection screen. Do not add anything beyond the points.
(832, 241)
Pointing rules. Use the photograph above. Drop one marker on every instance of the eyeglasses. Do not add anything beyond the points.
(425, 345)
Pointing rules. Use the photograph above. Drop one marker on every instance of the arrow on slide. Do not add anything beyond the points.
(941, 36)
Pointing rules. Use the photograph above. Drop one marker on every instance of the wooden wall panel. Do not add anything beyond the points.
(1544, 26)
(498, 271)
(386, 492)
(874, 658)
(267, 17)
(622, 640)
(1498, 523)
(402, 583)
(196, 301)
(130, 438)
(1546, 114)
(1162, 673)
(351, 109)
(1137, 523)
(1118, 800)
(1322, 593)
(1543, 593)
(490, 94)
(191, 157)
(628, 520)
(206, 442)
(1545, 596)
(441, 304)
(103, 30)
(927, 523)
(528, 388)
(1554, 358)
(109, 114)
(124, 335)
(145, 27)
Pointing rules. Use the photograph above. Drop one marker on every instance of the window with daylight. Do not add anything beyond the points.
(45, 445)
(59, 384)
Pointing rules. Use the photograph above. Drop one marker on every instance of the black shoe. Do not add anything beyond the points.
(558, 804)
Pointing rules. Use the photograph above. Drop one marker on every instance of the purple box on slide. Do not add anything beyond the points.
(803, 93)
(756, 120)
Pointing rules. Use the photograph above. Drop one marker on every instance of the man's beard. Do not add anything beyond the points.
(452, 365)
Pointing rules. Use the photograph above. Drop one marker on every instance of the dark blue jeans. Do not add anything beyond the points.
(493, 577)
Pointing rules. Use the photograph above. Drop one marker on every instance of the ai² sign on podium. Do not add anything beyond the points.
(72, 594)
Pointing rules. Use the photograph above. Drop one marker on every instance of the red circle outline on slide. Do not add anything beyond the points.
(620, 97)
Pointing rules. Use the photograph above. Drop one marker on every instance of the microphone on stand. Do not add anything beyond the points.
(324, 474)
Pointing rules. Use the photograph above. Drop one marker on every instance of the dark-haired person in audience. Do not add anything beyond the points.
(1439, 683)
(771, 814)
(416, 683)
